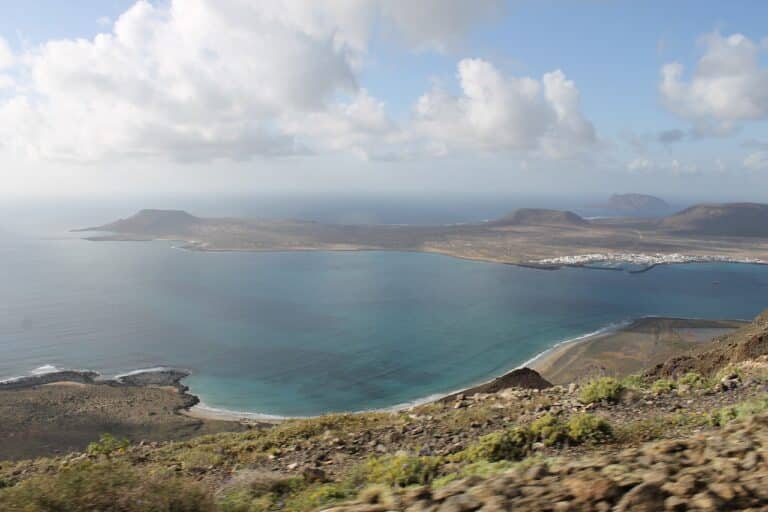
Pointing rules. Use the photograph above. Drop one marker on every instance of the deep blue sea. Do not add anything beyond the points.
(307, 333)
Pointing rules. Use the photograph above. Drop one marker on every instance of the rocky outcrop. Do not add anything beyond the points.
(705, 472)
(522, 378)
(77, 376)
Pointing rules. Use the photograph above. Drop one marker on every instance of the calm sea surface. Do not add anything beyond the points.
(306, 333)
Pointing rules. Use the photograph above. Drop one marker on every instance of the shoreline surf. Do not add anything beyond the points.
(160, 376)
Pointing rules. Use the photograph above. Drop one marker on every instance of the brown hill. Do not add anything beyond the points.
(749, 342)
(541, 217)
(729, 219)
(152, 222)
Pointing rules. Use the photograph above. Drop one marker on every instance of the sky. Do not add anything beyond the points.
(442, 97)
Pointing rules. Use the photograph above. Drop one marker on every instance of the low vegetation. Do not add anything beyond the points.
(107, 486)
(483, 437)
(739, 411)
(662, 386)
(603, 389)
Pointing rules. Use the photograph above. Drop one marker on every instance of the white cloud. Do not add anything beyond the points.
(360, 126)
(208, 79)
(496, 112)
(191, 79)
(6, 55)
(438, 24)
(727, 86)
(6, 82)
(640, 164)
(757, 161)
(673, 166)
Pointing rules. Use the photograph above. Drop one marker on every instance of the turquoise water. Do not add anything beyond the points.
(307, 333)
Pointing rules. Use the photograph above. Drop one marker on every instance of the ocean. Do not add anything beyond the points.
(294, 334)
(307, 333)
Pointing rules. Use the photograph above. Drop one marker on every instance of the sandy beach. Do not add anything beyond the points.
(627, 349)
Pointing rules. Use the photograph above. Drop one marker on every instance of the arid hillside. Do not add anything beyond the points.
(688, 440)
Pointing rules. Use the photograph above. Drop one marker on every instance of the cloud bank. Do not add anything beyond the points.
(727, 86)
(196, 80)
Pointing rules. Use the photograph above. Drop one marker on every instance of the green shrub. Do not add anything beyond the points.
(739, 411)
(108, 445)
(550, 430)
(511, 444)
(255, 491)
(318, 496)
(634, 381)
(106, 486)
(662, 386)
(401, 470)
(729, 371)
(693, 379)
(603, 389)
(586, 427)
(376, 494)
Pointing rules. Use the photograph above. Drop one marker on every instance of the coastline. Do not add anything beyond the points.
(629, 348)
(193, 407)
(203, 411)
(648, 261)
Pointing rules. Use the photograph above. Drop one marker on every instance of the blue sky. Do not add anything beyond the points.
(612, 51)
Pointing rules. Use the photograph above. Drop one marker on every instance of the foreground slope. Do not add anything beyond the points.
(560, 448)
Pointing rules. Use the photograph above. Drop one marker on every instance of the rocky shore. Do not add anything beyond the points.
(62, 411)
(150, 377)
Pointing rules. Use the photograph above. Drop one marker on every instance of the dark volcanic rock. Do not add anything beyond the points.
(523, 378)
(155, 377)
(82, 377)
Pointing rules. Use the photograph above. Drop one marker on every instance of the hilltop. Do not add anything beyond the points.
(152, 222)
(638, 204)
(693, 441)
(541, 217)
(729, 219)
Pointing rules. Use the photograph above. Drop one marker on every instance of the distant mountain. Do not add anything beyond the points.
(541, 217)
(729, 219)
(638, 204)
(152, 222)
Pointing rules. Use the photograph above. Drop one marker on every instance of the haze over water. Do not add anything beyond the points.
(306, 333)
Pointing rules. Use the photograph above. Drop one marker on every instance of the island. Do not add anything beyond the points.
(542, 238)
(638, 204)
